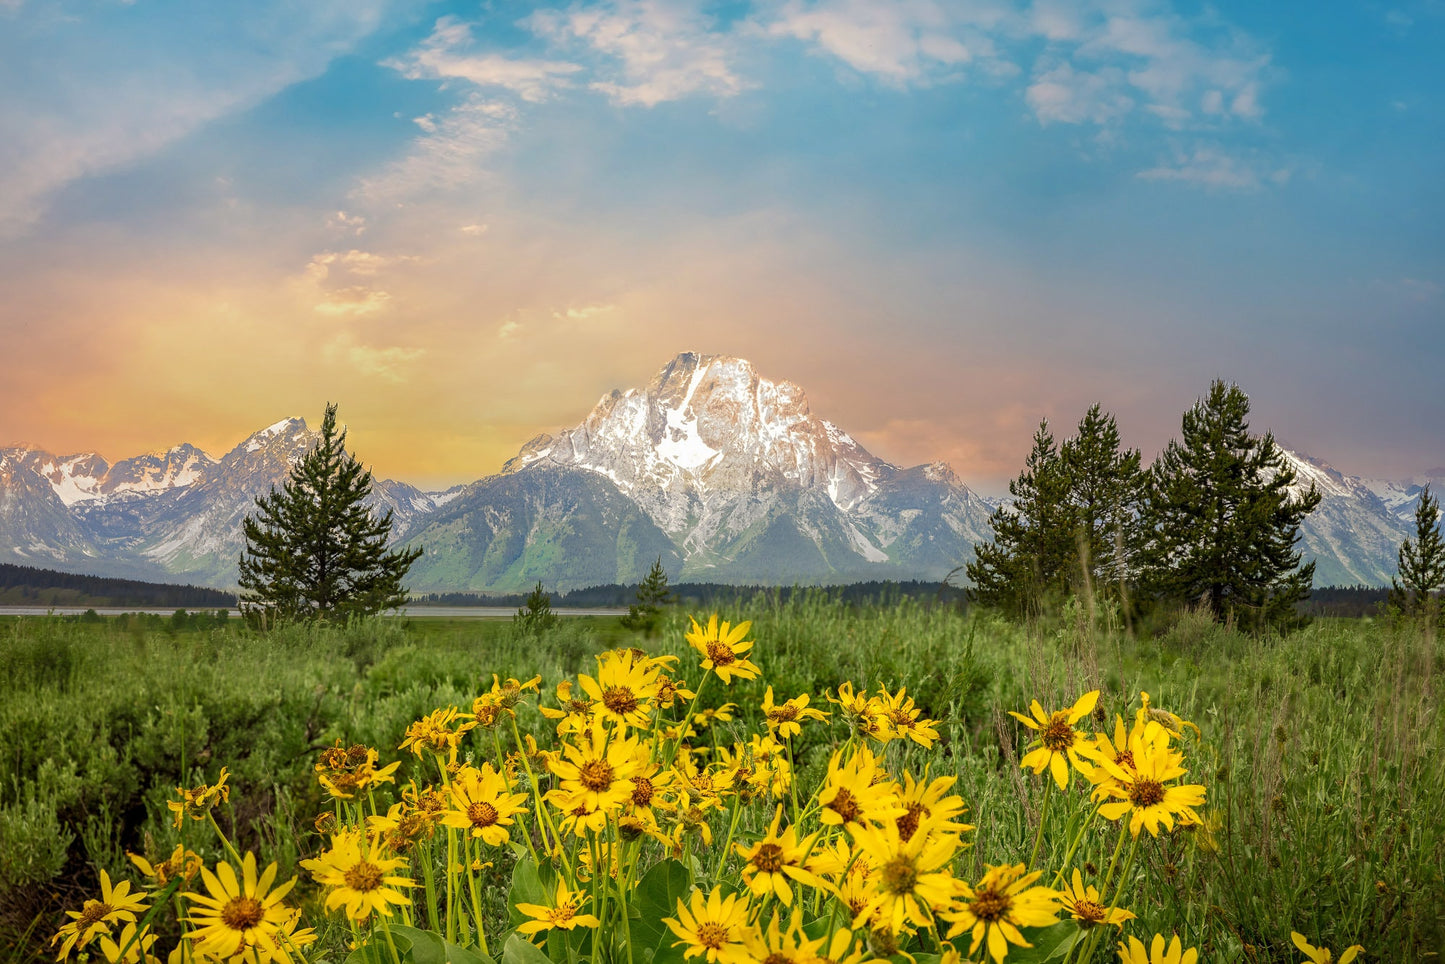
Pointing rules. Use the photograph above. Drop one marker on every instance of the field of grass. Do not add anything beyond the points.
(1321, 754)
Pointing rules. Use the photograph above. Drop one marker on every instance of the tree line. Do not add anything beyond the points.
(1213, 522)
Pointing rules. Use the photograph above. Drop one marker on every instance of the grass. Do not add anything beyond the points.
(1321, 751)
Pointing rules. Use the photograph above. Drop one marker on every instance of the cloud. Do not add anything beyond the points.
(1064, 95)
(584, 312)
(903, 42)
(663, 50)
(448, 155)
(1212, 167)
(390, 364)
(347, 223)
(90, 105)
(353, 301)
(439, 56)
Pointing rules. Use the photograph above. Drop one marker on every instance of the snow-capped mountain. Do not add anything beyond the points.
(1354, 536)
(724, 474)
(740, 480)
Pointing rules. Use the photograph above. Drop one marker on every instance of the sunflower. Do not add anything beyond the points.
(243, 916)
(130, 947)
(1058, 743)
(864, 713)
(1004, 900)
(858, 792)
(790, 945)
(777, 860)
(911, 880)
(1170, 721)
(625, 689)
(482, 804)
(440, 732)
(575, 713)
(716, 929)
(360, 879)
(785, 719)
(1175, 954)
(181, 863)
(1322, 955)
(347, 772)
(596, 771)
(198, 802)
(1143, 792)
(924, 804)
(94, 918)
(562, 914)
(1086, 906)
(402, 826)
(902, 717)
(723, 649)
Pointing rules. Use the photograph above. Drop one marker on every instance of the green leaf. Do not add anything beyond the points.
(656, 897)
(519, 950)
(527, 888)
(375, 950)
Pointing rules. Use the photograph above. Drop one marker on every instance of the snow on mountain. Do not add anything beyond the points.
(1353, 535)
(733, 466)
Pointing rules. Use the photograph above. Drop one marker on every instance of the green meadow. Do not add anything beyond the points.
(1321, 751)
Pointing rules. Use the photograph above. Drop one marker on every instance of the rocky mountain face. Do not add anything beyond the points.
(725, 475)
(746, 484)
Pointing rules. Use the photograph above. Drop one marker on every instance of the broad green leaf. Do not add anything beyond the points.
(519, 950)
(656, 897)
(527, 888)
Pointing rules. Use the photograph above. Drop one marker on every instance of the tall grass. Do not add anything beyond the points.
(1321, 750)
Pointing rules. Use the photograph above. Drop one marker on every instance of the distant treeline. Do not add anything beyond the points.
(1346, 601)
(705, 594)
(27, 586)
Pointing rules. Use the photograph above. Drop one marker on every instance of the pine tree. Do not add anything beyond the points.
(1104, 489)
(1220, 520)
(1026, 564)
(536, 616)
(1421, 562)
(314, 549)
(652, 595)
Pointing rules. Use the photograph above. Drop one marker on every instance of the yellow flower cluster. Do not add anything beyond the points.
(638, 791)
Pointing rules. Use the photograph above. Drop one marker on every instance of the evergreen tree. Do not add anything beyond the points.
(313, 549)
(1027, 562)
(652, 594)
(1104, 485)
(1421, 562)
(1220, 520)
(536, 616)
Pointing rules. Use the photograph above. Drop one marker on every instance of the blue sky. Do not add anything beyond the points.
(465, 222)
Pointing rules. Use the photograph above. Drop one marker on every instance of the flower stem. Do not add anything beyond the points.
(1043, 818)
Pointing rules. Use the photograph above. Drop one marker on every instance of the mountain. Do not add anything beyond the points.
(726, 472)
(1353, 535)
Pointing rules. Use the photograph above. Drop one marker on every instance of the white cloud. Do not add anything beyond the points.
(91, 106)
(584, 312)
(449, 154)
(663, 49)
(353, 301)
(1067, 96)
(440, 56)
(902, 42)
(1211, 167)
(347, 223)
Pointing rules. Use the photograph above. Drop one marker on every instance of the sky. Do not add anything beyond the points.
(466, 222)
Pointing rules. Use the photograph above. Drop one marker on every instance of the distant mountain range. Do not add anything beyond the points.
(726, 475)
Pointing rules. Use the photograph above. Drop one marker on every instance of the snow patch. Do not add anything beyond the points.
(683, 447)
(865, 548)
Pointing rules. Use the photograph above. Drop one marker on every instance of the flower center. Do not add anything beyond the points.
(91, 914)
(242, 912)
(1146, 793)
(989, 905)
(1059, 735)
(641, 791)
(482, 814)
(845, 806)
(620, 700)
(1125, 759)
(769, 858)
(899, 876)
(363, 876)
(1088, 912)
(596, 775)
(563, 913)
(784, 713)
(908, 823)
(720, 653)
(712, 934)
